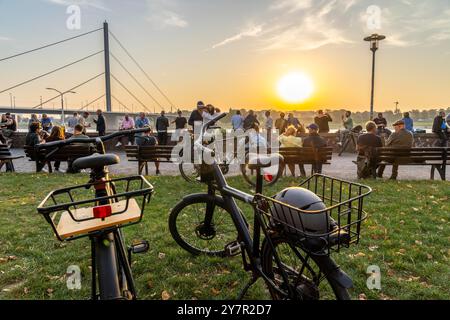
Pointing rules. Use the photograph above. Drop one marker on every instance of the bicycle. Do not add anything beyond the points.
(75, 213)
(205, 230)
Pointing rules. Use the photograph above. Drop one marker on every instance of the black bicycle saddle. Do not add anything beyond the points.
(95, 161)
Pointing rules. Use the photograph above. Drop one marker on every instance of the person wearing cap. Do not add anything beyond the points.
(314, 140)
(399, 139)
(196, 117)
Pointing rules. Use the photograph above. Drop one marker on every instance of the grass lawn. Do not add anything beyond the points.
(407, 235)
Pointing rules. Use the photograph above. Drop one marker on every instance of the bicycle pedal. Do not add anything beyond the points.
(233, 249)
(139, 247)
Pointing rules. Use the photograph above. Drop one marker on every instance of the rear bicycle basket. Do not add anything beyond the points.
(76, 212)
(322, 231)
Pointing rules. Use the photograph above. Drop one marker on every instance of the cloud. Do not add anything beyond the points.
(4, 38)
(163, 14)
(249, 32)
(96, 4)
(291, 5)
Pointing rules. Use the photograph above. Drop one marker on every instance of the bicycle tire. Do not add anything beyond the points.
(186, 176)
(181, 240)
(267, 262)
(266, 183)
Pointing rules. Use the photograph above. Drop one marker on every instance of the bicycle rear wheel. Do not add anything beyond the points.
(189, 171)
(201, 224)
(306, 280)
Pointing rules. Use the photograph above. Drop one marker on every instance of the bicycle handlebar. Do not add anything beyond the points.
(69, 141)
(199, 142)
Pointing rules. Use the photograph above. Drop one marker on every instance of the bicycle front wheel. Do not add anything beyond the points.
(305, 279)
(200, 224)
(189, 171)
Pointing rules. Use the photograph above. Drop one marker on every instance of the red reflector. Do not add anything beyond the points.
(268, 177)
(102, 212)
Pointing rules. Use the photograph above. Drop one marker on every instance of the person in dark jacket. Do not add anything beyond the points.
(250, 120)
(32, 139)
(101, 123)
(322, 120)
(440, 129)
(162, 123)
(196, 117)
(314, 140)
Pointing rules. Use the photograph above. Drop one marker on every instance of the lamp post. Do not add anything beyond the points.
(62, 102)
(374, 40)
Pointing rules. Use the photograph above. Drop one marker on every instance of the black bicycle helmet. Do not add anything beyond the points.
(305, 200)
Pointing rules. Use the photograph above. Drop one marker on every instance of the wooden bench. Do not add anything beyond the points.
(65, 154)
(437, 158)
(302, 156)
(144, 155)
(6, 158)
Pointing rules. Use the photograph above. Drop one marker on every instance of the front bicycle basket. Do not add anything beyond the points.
(340, 218)
(75, 212)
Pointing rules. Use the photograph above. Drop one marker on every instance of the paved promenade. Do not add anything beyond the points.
(341, 167)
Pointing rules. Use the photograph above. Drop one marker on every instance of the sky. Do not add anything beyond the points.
(231, 53)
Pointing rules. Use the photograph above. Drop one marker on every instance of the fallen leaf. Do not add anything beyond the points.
(362, 296)
(165, 295)
(215, 291)
(161, 255)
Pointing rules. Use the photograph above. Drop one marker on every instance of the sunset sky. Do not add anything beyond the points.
(231, 53)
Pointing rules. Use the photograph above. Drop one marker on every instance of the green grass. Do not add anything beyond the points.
(407, 235)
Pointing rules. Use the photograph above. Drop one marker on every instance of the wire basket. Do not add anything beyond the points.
(319, 231)
(76, 212)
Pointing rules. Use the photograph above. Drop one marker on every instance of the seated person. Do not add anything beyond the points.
(7, 129)
(57, 134)
(401, 138)
(32, 139)
(314, 140)
(289, 140)
(146, 139)
(77, 134)
(366, 147)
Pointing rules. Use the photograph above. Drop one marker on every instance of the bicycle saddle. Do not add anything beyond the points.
(95, 161)
(258, 161)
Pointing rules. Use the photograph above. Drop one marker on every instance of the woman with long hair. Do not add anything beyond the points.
(57, 134)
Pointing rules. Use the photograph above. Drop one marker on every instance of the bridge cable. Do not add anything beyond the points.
(120, 103)
(50, 72)
(92, 102)
(139, 66)
(49, 45)
(131, 94)
(81, 84)
(134, 78)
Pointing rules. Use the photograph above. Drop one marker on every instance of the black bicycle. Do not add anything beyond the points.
(99, 210)
(293, 260)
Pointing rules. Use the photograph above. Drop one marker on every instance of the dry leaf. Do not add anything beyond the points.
(215, 291)
(165, 295)
(161, 255)
(362, 296)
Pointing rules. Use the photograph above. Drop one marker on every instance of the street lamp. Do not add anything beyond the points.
(62, 102)
(374, 40)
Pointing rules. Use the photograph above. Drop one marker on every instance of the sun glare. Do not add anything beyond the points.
(295, 87)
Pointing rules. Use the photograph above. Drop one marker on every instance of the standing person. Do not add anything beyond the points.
(347, 122)
(126, 124)
(293, 121)
(57, 134)
(281, 124)
(209, 113)
(314, 140)
(101, 123)
(322, 120)
(237, 121)
(180, 125)
(83, 121)
(381, 123)
(46, 123)
(268, 125)
(289, 140)
(162, 123)
(250, 120)
(72, 122)
(196, 117)
(400, 139)
(366, 147)
(409, 122)
(440, 129)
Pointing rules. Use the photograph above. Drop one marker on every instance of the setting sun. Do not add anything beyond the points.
(295, 87)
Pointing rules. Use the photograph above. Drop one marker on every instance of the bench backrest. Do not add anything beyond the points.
(306, 155)
(4, 150)
(74, 151)
(413, 154)
(150, 153)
